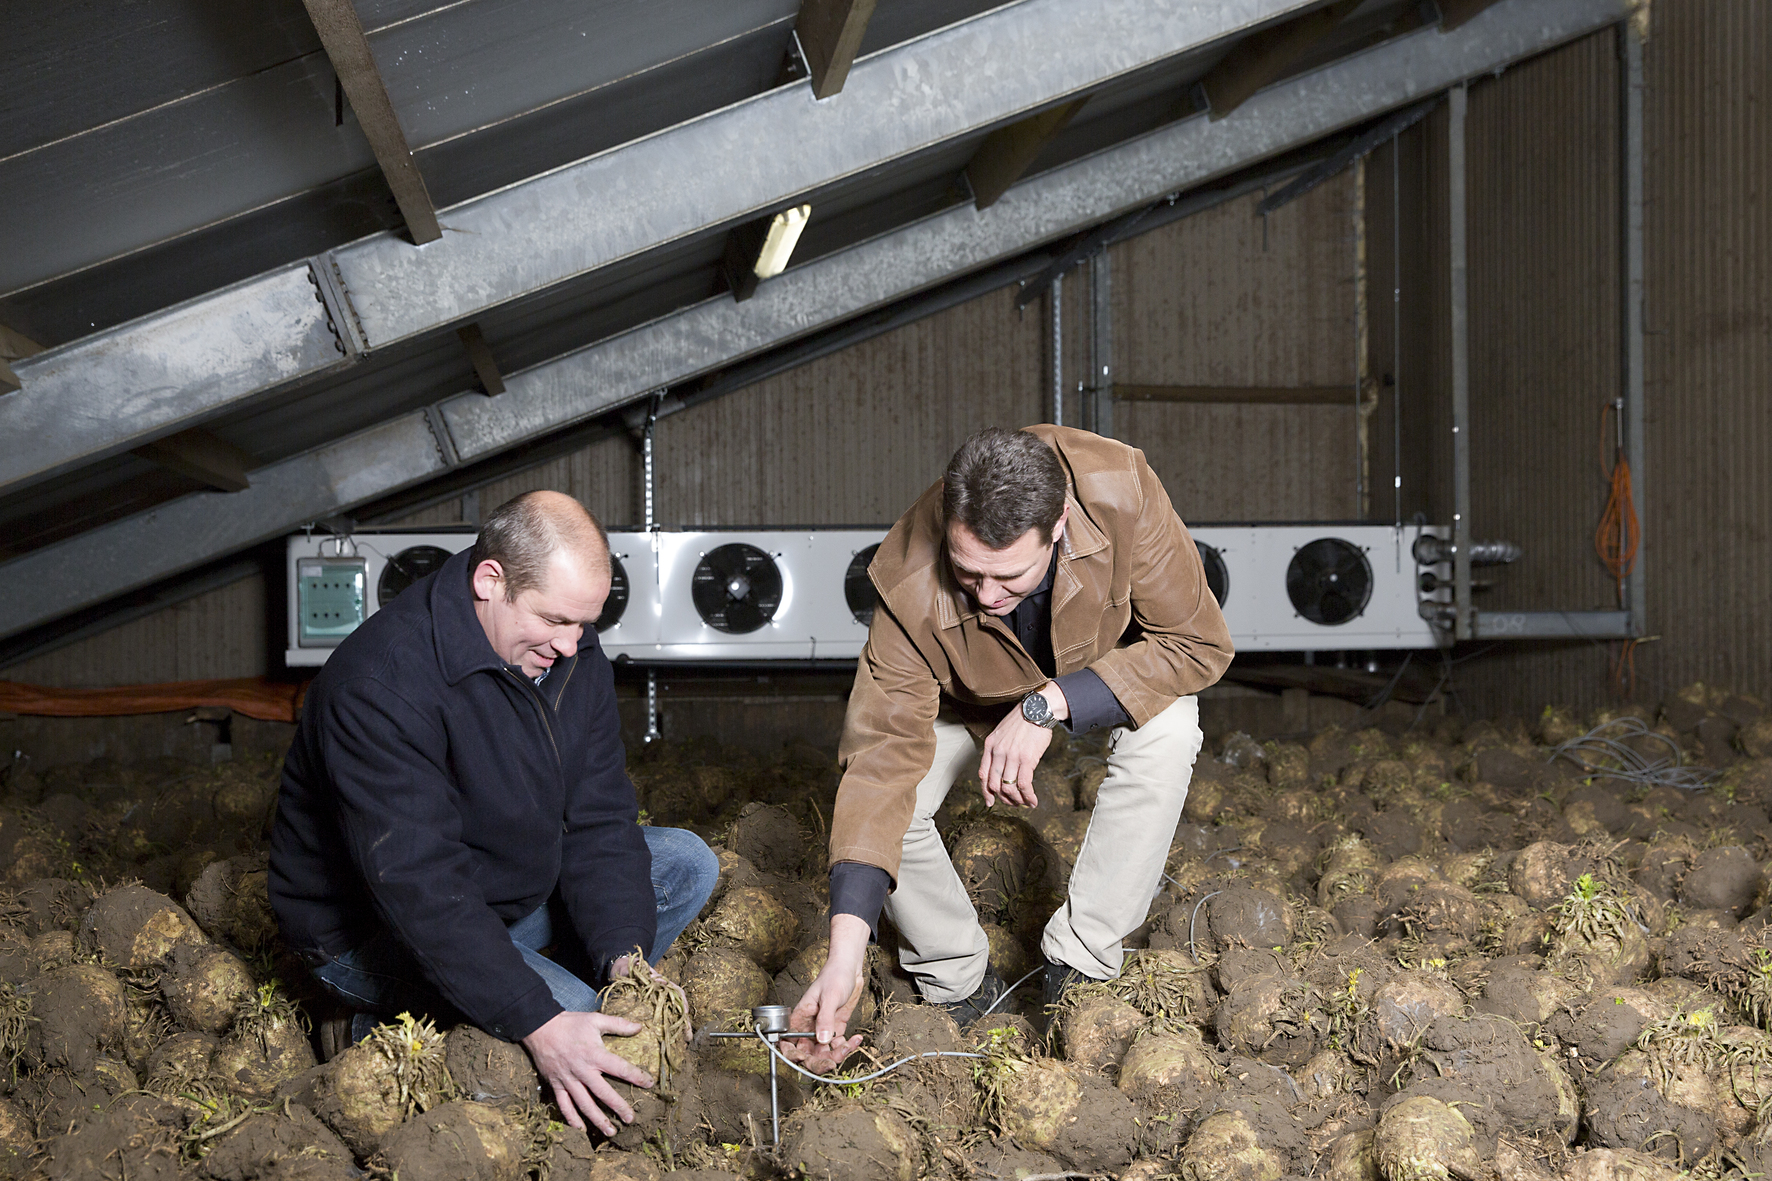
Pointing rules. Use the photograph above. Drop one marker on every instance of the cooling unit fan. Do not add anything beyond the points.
(617, 602)
(1218, 577)
(736, 588)
(858, 588)
(1329, 581)
(407, 567)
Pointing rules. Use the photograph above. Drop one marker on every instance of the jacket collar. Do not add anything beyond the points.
(1082, 537)
(462, 647)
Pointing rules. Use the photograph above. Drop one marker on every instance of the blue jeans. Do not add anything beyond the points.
(380, 977)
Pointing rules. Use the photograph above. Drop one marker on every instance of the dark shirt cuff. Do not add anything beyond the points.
(860, 889)
(532, 1010)
(1093, 704)
(611, 946)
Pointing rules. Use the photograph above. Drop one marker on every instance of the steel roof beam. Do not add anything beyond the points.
(134, 552)
(119, 389)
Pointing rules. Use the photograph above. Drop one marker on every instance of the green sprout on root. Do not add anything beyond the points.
(1684, 1039)
(1156, 986)
(414, 1049)
(1003, 1060)
(1346, 1011)
(1592, 912)
(221, 1113)
(265, 1009)
(1753, 995)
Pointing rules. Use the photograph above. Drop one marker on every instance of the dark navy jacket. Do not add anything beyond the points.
(434, 791)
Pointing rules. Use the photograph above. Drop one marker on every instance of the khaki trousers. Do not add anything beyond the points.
(1116, 875)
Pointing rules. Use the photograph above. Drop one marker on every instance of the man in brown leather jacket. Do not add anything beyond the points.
(1045, 580)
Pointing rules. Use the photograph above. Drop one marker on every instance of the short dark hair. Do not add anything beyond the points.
(1000, 484)
(523, 533)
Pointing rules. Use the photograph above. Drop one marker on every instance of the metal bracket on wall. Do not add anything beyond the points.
(341, 317)
(1550, 625)
(440, 432)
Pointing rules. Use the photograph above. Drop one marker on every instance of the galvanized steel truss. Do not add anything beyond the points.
(137, 551)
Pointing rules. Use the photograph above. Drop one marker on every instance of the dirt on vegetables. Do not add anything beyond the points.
(1510, 949)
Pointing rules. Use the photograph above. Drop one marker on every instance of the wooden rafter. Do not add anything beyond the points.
(14, 346)
(1455, 12)
(480, 356)
(1009, 151)
(341, 32)
(830, 33)
(203, 457)
(1264, 57)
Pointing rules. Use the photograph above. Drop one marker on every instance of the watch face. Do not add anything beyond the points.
(1035, 709)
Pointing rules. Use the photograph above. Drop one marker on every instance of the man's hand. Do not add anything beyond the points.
(827, 1004)
(632, 962)
(1006, 772)
(570, 1055)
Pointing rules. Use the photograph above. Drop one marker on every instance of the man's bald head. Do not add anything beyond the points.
(525, 534)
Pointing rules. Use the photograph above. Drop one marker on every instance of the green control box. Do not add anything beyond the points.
(330, 599)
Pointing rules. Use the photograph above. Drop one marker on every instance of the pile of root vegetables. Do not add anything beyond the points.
(1517, 949)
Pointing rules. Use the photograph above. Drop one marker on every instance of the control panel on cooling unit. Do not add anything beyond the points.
(336, 582)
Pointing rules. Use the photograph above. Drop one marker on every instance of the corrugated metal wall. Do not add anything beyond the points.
(1709, 366)
(221, 633)
(1543, 167)
(1227, 298)
(1544, 283)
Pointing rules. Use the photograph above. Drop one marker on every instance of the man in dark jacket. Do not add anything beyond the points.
(456, 799)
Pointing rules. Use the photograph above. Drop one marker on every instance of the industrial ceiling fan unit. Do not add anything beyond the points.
(1319, 587)
(761, 595)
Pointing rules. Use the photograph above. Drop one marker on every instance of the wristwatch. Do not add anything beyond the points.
(1034, 709)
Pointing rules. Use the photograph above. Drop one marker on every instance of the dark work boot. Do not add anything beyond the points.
(978, 1005)
(1059, 978)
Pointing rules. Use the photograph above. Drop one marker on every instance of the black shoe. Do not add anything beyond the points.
(1059, 977)
(335, 1035)
(975, 1007)
(341, 1031)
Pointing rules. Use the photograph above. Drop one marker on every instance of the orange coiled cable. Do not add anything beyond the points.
(1615, 540)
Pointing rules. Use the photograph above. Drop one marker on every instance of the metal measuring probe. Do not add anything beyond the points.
(772, 1025)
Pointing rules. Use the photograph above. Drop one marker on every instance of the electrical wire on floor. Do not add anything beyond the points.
(1605, 751)
(830, 1080)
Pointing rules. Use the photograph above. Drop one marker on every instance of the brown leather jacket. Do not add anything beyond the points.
(1125, 558)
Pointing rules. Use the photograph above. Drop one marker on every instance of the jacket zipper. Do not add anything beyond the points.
(541, 709)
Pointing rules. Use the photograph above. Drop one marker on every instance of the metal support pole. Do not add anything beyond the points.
(1362, 352)
(1101, 346)
(646, 473)
(1396, 336)
(1631, 44)
(1056, 294)
(1461, 369)
(653, 732)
